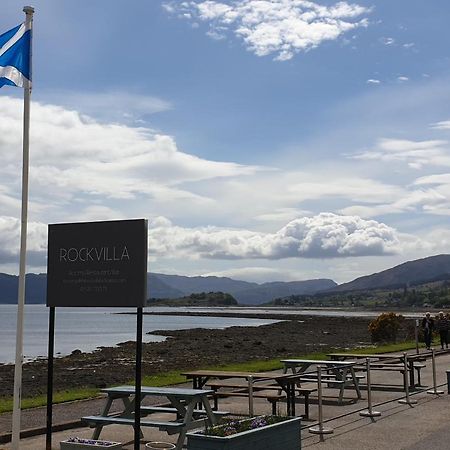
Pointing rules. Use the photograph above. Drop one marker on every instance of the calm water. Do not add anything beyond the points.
(77, 328)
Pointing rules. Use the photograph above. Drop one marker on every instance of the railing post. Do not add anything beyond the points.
(416, 333)
(434, 391)
(369, 412)
(320, 429)
(250, 396)
(406, 400)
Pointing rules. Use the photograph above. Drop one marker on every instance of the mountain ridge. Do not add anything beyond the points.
(410, 272)
(175, 286)
(249, 293)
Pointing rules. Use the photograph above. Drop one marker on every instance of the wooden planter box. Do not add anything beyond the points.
(280, 436)
(92, 445)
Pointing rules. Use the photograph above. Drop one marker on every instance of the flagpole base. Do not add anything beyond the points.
(368, 413)
(320, 430)
(435, 392)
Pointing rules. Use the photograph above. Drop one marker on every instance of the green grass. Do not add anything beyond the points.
(171, 378)
(6, 404)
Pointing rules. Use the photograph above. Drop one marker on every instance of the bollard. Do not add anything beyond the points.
(407, 400)
(448, 381)
(320, 429)
(434, 391)
(369, 412)
(416, 333)
(250, 396)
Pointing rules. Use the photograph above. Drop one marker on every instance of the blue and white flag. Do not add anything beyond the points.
(15, 57)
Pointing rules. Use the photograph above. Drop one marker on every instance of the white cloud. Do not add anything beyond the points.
(387, 41)
(109, 106)
(281, 27)
(424, 200)
(444, 125)
(10, 241)
(373, 81)
(282, 214)
(323, 236)
(415, 153)
(352, 188)
(74, 158)
(402, 79)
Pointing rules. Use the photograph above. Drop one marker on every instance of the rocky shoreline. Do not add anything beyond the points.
(192, 348)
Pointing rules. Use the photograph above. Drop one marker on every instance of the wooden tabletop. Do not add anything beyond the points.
(368, 355)
(229, 374)
(150, 390)
(326, 362)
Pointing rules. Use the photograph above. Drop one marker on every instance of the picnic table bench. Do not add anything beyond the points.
(343, 373)
(182, 402)
(389, 362)
(271, 391)
(285, 385)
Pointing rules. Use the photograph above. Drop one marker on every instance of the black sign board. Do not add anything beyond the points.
(97, 264)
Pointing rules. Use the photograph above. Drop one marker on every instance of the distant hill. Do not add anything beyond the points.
(188, 285)
(35, 288)
(176, 286)
(415, 272)
(157, 288)
(268, 291)
(411, 273)
(244, 292)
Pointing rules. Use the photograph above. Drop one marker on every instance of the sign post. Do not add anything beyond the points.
(97, 264)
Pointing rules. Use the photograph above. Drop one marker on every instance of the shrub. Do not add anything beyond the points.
(233, 426)
(385, 327)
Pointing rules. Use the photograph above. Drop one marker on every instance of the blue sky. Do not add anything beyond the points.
(263, 140)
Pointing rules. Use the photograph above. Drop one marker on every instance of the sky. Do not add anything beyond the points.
(263, 140)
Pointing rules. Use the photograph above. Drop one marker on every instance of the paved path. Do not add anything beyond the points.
(401, 427)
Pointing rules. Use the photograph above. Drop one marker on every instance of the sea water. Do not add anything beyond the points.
(86, 329)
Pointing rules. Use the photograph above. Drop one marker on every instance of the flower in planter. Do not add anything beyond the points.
(233, 426)
(93, 442)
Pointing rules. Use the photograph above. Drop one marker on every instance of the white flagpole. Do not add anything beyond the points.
(28, 10)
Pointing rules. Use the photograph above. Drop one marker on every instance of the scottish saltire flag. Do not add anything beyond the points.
(15, 57)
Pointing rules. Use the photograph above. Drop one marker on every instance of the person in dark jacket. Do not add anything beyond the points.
(443, 325)
(428, 327)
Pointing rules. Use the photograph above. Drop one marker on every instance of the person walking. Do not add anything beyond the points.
(443, 325)
(428, 327)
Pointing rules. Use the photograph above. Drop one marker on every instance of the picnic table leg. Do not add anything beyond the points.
(198, 383)
(187, 419)
(411, 374)
(306, 405)
(356, 383)
(209, 412)
(292, 397)
(343, 377)
(98, 428)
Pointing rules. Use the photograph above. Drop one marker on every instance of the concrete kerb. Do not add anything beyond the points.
(6, 437)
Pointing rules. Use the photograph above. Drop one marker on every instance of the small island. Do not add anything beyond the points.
(196, 299)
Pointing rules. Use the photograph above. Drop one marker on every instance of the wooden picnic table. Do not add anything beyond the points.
(182, 403)
(285, 382)
(343, 371)
(389, 359)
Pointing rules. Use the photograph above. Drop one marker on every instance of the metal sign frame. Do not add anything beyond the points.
(76, 253)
